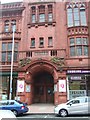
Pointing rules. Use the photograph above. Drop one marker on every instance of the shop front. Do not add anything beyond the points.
(77, 83)
(5, 85)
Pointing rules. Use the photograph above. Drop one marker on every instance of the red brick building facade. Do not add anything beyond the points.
(51, 50)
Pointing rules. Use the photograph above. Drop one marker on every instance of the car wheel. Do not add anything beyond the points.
(15, 112)
(63, 113)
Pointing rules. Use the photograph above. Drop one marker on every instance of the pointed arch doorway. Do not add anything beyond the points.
(43, 87)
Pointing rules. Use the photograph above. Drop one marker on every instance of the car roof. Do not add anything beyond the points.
(7, 114)
(82, 97)
(7, 100)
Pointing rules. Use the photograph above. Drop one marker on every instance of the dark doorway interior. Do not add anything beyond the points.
(43, 87)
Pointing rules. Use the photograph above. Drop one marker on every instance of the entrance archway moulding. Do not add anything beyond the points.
(39, 65)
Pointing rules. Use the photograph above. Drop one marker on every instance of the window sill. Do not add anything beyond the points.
(36, 24)
(41, 46)
(50, 46)
(32, 46)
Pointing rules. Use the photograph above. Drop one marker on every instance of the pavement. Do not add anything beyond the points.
(41, 108)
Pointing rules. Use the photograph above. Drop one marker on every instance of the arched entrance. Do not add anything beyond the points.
(43, 87)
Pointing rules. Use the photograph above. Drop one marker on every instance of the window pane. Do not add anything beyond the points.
(9, 47)
(72, 42)
(41, 41)
(33, 18)
(41, 17)
(85, 50)
(15, 56)
(85, 41)
(76, 17)
(79, 41)
(6, 28)
(50, 41)
(79, 50)
(72, 51)
(14, 28)
(9, 54)
(3, 57)
(50, 17)
(13, 25)
(70, 17)
(16, 47)
(4, 47)
(83, 16)
(33, 42)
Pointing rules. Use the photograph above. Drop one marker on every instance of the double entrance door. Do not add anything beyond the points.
(43, 88)
(44, 93)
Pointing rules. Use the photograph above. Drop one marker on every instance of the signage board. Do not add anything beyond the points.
(20, 86)
(28, 88)
(62, 85)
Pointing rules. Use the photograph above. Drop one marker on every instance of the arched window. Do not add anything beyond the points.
(50, 13)
(33, 14)
(76, 15)
(42, 13)
(70, 17)
(83, 16)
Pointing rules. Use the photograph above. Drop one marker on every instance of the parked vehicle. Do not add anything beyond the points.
(15, 106)
(78, 105)
(7, 114)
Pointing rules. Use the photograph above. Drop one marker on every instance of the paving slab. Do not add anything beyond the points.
(41, 108)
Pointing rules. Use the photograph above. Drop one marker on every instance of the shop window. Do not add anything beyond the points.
(77, 88)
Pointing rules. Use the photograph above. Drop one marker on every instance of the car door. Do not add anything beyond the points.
(75, 107)
(4, 105)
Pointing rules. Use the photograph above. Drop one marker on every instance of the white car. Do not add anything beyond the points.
(78, 105)
(7, 114)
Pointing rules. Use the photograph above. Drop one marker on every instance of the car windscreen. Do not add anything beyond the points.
(19, 102)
